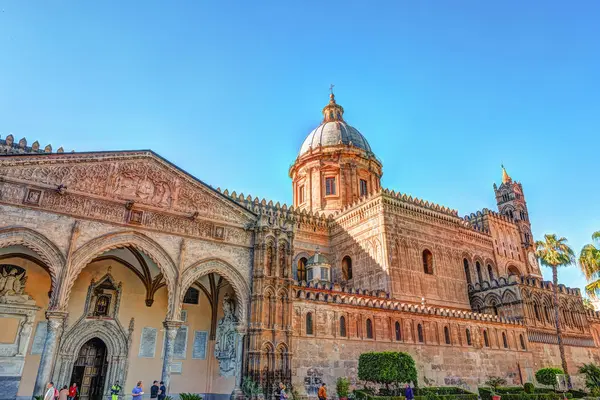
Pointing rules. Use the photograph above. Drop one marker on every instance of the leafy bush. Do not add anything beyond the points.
(387, 367)
(486, 394)
(547, 376)
(494, 382)
(250, 388)
(592, 375)
(189, 396)
(430, 394)
(342, 387)
(529, 388)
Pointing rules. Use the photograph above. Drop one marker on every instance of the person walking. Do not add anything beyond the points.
(73, 391)
(282, 394)
(408, 392)
(154, 390)
(49, 391)
(137, 392)
(322, 394)
(115, 390)
(162, 391)
(64, 393)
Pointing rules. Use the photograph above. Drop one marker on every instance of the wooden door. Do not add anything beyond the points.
(90, 369)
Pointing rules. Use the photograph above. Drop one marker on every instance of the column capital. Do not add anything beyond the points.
(172, 324)
(56, 314)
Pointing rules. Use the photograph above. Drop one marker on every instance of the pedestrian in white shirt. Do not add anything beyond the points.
(49, 391)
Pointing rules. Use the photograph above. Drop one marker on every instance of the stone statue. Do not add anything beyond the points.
(225, 346)
(12, 285)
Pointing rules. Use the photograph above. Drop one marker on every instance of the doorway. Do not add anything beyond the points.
(89, 370)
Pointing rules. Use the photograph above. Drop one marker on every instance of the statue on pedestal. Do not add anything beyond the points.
(225, 346)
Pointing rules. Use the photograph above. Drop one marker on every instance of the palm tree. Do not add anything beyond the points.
(554, 252)
(589, 261)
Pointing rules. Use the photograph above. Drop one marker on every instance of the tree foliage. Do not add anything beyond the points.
(547, 376)
(387, 367)
(589, 262)
(495, 381)
(592, 376)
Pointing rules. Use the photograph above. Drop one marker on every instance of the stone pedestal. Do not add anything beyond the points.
(55, 328)
(171, 328)
(17, 314)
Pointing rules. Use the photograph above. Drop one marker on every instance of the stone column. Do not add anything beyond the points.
(171, 328)
(237, 393)
(48, 358)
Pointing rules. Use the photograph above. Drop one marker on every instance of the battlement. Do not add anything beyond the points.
(264, 207)
(9, 146)
(337, 294)
(529, 281)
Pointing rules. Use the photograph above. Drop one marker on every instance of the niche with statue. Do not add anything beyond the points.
(103, 298)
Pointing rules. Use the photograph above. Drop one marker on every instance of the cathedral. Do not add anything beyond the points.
(120, 266)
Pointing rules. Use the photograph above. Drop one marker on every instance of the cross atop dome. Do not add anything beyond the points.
(332, 111)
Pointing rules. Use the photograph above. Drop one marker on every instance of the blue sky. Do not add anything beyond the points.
(444, 91)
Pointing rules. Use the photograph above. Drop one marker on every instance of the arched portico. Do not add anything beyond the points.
(43, 247)
(95, 247)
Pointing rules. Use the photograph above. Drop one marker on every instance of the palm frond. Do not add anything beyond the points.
(596, 235)
(593, 289)
(589, 260)
(554, 252)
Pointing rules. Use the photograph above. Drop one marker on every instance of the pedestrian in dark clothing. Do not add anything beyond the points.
(162, 391)
(154, 390)
(408, 392)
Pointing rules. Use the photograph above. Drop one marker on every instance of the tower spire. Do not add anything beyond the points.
(505, 177)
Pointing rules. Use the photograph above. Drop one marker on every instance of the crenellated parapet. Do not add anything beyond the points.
(8, 145)
(381, 300)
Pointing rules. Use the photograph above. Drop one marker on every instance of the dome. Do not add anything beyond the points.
(334, 131)
(318, 258)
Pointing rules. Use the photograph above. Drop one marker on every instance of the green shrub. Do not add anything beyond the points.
(495, 382)
(529, 388)
(342, 387)
(547, 376)
(387, 367)
(189, 396)
(592, 375)
(250, 388)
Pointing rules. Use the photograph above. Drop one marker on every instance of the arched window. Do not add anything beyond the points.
(420, 333)
(468, 334)
(447, 334)
(343, 326)
(302, 269)
(512, 270)
(494, 308)
(547, 314)
(192, 296)
(467, 272)
(510, 214)
(427, 262)
(490, 272)
(486, 340)
(478, 268)
(398, 331)
(504, 341)
(309, 324)
(347, 268)
(369, 329)
(522, 340)
(536, 310)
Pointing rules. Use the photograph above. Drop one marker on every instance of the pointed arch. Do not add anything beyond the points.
(43, 247)
(223, 268)
(118, 240)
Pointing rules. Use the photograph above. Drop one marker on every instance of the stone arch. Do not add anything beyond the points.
(117, 240)
(227, 271)
(47, 251)
(113, 335)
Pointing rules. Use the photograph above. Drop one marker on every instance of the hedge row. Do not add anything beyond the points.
(519, 394)
(362, 395)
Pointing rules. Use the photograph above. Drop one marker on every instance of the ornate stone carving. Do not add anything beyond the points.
(12, 285)
(225, 345)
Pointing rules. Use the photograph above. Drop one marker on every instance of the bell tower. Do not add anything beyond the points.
(511, 203)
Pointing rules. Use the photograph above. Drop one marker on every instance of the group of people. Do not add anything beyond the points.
(157, 391)
(66, 393)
